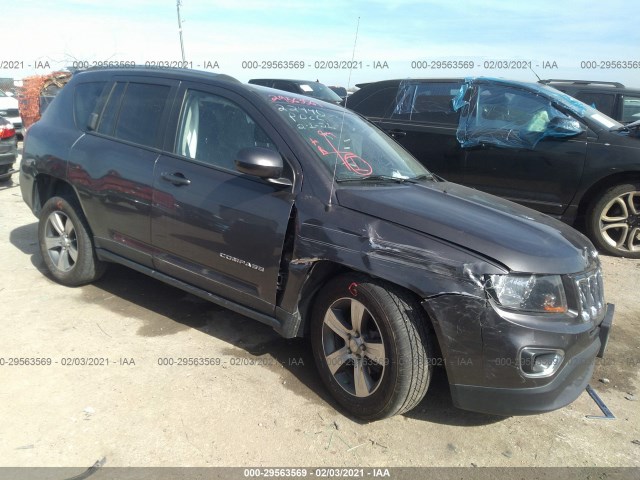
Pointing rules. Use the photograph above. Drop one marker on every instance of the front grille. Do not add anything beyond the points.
(9, 112)
(591, 295)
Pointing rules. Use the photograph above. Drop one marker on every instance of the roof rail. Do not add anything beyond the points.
(582, 82)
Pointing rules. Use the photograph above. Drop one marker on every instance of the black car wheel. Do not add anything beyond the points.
(614, 221)
(65, 243)
(372, 346)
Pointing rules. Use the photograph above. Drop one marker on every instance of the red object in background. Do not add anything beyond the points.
(29, 94)
(7, 131)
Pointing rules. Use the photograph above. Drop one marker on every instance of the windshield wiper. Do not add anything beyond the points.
(386, 178)
(424, 176)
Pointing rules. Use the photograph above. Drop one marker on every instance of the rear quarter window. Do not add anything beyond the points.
(87, 100)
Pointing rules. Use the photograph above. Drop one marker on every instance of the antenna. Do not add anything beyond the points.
(178, 4)
(534, 72)
(353, 56)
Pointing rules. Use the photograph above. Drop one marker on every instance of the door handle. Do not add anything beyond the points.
(176, 178)
(397, 133)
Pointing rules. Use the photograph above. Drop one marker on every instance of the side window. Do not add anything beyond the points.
(110, 114)
(87, 100)
(286, 86)
(603, 102)
(378, 104)
(433, 103)
(141, 113)
(507, 108)
(630, 109)
(511, 117)
(427, 102)
(213, 129)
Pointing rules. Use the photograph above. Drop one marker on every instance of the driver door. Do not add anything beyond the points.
(212, 226)
(544, 177)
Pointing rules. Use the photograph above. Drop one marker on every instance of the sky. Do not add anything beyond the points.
(384, 38)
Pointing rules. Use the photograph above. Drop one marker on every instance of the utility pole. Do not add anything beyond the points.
(178, 3)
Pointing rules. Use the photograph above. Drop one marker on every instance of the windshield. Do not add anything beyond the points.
(319, 91)
(345, 143)
(2, 94)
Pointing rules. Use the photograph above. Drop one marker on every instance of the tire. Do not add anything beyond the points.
(65, 243)
(613, 221)
(388, 348)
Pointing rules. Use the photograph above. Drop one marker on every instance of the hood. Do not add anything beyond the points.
(519, 238)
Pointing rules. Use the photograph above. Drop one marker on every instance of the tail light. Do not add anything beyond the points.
(7, 131)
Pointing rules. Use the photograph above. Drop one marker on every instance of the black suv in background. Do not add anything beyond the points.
(611, 98)
(302, 215)
(317, 90)
(526, 142)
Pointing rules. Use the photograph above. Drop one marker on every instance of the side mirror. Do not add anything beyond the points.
(563, 127)
(261, 162)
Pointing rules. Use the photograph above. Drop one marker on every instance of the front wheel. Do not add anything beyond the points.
(65, 243)
(372, 346)
(613, 221)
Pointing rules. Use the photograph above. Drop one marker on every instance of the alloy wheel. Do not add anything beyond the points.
(353, 347)
(61, 241)
(620, 222)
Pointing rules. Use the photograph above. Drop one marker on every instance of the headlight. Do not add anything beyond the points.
(530, 293)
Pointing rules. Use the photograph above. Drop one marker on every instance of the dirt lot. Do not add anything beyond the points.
(263, 405)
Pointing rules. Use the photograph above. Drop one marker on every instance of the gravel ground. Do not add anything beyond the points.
(263, 405)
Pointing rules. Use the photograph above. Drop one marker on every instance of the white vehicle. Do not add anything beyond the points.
(9, 110)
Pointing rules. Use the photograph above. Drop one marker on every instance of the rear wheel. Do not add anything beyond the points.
(65, 243)
(372, 346)
(614, 221)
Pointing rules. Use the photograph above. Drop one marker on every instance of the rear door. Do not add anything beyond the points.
(112, 165)
(212, 226)
(423, 121)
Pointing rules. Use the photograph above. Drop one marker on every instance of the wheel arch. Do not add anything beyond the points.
(47, 186)
(601, 186)
(321, 273)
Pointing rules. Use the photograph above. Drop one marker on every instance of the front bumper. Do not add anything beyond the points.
(7, 174)
(489, 379)
(8, 158)
(567, 385)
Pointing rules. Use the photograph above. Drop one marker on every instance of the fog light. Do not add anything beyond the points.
(540, 362)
